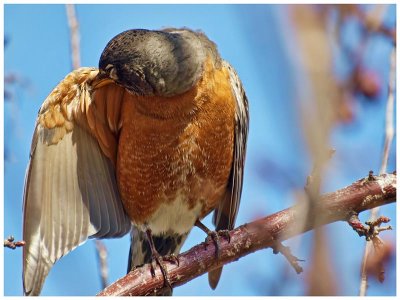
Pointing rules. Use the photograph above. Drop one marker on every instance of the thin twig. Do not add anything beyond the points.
(260, 234)
(389, 113)
(286, 252)
(373, 22)
(74, 33)
(385, 157)
(102, 258)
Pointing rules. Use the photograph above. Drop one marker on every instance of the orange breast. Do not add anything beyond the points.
(177, 147)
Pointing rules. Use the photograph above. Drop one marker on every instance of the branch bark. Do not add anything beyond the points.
(362, 195)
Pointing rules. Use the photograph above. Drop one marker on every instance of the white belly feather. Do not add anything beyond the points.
(175, 216)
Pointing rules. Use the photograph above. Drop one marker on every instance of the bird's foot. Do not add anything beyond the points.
(214, 236)
(157, 259)
(172, 258)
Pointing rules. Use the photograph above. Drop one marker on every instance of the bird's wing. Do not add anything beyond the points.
(226, 212)
(70, 191)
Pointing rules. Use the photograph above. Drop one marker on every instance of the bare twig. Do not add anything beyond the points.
(74, 33)
(389, 113)
(102, 258)
(9, 243)
(374, 18)
(361, 80)
(248, 238)
(285, 251)
(373, 21)
(386, 150)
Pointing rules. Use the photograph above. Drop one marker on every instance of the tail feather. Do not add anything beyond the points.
(136, 253)
(213, 277)
(222, 221)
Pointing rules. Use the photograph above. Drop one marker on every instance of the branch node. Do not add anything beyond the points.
(372, 229)
(371, 176)
(9, 243)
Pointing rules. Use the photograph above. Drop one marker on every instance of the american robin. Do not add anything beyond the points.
(150, 142)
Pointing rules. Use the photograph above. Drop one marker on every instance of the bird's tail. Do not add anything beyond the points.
(140, 252)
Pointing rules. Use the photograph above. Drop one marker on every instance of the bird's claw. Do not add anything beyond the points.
(226, 234)
(172, 258)
(158, 259)
(215, 237)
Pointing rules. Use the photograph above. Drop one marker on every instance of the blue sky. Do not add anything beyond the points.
(250, 38)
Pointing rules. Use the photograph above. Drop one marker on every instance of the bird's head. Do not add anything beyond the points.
(163, 63)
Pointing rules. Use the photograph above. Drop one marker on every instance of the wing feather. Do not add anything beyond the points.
(114, 106)
(70, 191)
(225, 214)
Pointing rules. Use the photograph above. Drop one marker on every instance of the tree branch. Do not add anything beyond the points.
(263, 233)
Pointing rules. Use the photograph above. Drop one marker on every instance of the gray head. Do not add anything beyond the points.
(166, 63)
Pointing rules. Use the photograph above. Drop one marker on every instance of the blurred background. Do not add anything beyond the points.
(316, 78)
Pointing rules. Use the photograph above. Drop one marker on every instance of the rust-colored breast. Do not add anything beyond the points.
(178, 148)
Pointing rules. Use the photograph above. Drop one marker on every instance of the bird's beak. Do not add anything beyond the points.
(101, 80)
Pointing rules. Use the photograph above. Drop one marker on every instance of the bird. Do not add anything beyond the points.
(148, 143)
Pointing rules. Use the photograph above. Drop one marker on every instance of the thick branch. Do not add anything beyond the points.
(248, 238)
